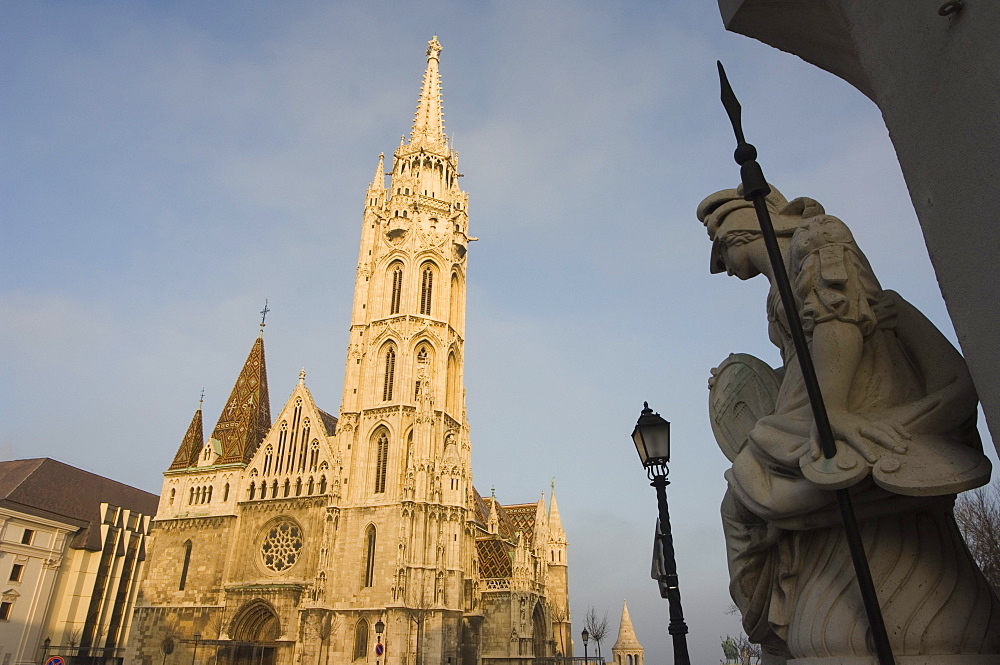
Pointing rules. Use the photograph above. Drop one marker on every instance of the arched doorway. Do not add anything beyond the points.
(254, 630)
(538, 631)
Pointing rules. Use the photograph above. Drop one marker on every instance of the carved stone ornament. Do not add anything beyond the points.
(902, 407)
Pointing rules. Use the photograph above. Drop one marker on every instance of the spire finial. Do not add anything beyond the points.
(493, 491)
(552, 484)
(302, 375)
(201, 400)
(433, 47)
(263, 316)
(428, 122)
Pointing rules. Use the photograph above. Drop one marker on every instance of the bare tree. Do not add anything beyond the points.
(597, 626)
(749, 652)
(978, 516)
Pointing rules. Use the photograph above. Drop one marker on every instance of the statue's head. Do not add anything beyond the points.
(731, 220)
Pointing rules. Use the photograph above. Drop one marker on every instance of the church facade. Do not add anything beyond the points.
(310, 538)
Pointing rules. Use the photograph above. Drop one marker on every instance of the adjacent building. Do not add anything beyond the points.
(72, 549)
(314, 538)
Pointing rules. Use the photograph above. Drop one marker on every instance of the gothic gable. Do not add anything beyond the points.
(296, 455)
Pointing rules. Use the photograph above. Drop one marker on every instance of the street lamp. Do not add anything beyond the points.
(194, 653)
(586, 638)
(379, 649)
(652, 441)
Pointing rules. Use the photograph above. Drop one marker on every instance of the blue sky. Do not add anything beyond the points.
(165, 167)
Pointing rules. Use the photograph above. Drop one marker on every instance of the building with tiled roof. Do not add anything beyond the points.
(309, 538)
(72, 549)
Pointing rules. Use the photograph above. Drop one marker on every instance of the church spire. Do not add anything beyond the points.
(428, 123)
(194, 439)
(378, 182)
(246, 417)
(556, 532)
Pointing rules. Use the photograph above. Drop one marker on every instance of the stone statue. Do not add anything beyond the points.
(903, 409)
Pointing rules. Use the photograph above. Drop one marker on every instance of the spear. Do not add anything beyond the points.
(755, 189)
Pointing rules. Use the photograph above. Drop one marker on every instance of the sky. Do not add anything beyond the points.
(165, 167)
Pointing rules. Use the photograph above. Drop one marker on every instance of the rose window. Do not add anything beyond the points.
(281, 546)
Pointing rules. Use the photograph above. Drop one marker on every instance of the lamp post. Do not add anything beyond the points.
(379, 649)
(194, 653)
(652, 441)
(585, 636)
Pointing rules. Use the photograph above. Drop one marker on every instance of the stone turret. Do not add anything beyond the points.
(627, 650)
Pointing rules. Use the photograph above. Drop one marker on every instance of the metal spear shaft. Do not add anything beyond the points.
(755, 189)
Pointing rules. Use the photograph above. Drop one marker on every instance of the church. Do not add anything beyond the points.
(359, 538)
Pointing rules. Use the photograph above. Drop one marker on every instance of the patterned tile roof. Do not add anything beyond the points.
(246, 418)
(505, 528)
(482, 510)
(194, 439)
(494, 557)
(522, 518)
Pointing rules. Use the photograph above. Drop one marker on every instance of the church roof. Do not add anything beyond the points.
(522, 518)
(194, 439)
(495, 558)
(428, 121)
(505, 528)
(329, 421)
(626, 633)
(511, 519)
(246, 417)
(50, 489)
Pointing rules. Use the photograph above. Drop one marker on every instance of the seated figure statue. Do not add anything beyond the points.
(903, 412)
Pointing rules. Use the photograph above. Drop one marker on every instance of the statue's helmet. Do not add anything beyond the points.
(726, 212)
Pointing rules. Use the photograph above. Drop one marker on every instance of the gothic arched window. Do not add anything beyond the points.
(389, 374)
(360, 639)
(381, 460)
(268, 456)
(396, 276)
(313, 454)
(451, 396)
(184, 567)
(426, 289)
(370, 555)
(305, 448)
(282, 439)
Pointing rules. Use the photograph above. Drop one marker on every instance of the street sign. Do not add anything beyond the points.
(379, 649)
(55, 660)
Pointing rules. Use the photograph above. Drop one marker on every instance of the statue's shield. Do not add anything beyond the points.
(742, 390)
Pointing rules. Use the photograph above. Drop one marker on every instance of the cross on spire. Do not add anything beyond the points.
(263, 316)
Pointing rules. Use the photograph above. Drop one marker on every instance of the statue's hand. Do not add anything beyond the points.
(868, 437)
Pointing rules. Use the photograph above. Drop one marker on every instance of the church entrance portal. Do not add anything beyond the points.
(254, 631)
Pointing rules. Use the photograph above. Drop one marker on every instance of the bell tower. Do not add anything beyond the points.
(402, 433)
